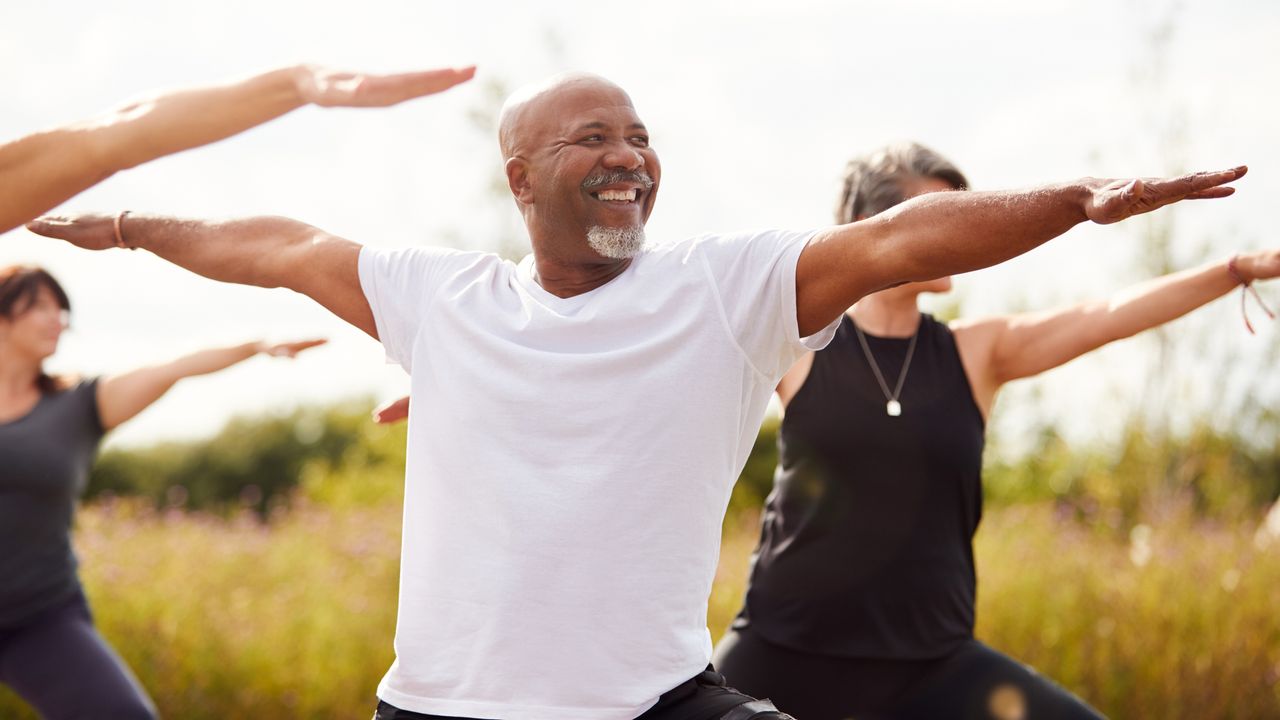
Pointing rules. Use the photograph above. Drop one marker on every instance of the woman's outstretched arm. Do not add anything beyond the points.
(120, 397)
(999, 349)
(41, 170)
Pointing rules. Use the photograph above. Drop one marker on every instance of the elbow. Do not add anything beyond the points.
(892, 259)
(294, 253)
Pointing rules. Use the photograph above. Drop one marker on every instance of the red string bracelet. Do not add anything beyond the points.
(1246, 287)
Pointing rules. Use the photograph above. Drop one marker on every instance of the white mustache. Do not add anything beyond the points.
(641, 178)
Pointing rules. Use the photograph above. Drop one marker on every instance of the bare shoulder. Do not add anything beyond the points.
(976, 341)
(974, 335)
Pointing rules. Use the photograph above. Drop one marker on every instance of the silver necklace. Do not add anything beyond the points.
(892, 406)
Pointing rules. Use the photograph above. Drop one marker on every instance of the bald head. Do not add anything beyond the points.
(533, 109)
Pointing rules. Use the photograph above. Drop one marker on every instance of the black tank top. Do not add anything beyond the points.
(866, 545)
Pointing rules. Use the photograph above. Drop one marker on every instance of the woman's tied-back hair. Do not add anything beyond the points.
(19, 286)
(876, 182)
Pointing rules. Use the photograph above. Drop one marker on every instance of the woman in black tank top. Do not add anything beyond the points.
(861, 597)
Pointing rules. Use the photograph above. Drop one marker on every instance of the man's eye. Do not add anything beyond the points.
(641, 140)
(593, 138)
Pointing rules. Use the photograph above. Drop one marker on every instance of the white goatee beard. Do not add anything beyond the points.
(618, 243)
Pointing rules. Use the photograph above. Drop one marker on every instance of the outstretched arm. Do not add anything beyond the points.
(120, 397)
(999, 349)
(39, 171)
(263, 251)
(945, 233)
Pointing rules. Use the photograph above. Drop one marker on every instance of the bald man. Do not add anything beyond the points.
(592, 405)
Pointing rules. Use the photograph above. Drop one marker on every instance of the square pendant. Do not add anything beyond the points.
(894, 408)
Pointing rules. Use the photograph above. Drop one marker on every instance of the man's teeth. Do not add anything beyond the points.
(624, 195)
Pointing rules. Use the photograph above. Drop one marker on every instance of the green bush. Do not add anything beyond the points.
(254, 463)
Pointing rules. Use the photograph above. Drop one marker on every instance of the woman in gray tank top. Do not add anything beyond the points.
(50, 428)
(861, 595)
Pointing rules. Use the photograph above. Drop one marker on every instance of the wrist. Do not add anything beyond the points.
(302, 83)
(1241, 268)
(1082, 195)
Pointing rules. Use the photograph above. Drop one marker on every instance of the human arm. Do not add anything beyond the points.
(120, 397)
(41, 170)
(1000, 349)
(392, 412)
(263, 251)
(945, 233)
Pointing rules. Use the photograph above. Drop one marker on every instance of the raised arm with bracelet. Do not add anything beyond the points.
(262, 251)
(999, 349)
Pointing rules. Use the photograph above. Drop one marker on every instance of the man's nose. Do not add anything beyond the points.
(623, 156)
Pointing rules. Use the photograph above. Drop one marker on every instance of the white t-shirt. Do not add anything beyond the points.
(569, 465)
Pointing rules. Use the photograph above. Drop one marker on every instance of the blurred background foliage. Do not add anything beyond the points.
(255, 573)
(337, 456)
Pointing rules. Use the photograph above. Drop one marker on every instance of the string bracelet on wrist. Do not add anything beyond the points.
(1246, 287)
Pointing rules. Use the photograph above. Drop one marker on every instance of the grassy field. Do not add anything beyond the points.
(293, 618)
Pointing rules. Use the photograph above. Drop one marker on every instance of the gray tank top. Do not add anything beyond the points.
(45, 458)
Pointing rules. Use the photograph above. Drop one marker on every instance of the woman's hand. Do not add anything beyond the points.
(336, 88)
(289, 349)
(392, 412)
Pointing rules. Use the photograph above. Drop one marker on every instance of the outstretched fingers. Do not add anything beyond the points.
(291, 349)
(392, 412)
(427, 82)
(1194, 184)
(1215, 192)
(336, 88)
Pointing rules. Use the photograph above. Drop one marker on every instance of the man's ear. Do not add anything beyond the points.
(518, 180)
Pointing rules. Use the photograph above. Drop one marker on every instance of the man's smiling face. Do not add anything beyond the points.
(583, 164)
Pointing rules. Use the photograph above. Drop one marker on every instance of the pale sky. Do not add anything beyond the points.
(753, 106)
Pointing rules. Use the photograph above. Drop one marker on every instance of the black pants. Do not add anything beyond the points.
(702, 697)
(973, 682)
(61, 665)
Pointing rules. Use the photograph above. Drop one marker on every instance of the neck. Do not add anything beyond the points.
(887, 314)
(18, 373)
(566, 278)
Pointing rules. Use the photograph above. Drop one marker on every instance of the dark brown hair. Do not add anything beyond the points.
(875, 182)
(19, 286)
